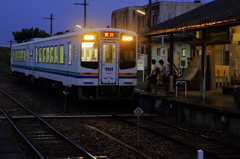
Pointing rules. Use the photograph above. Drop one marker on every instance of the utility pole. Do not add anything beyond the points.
(149, 45)
(51, 18)
(85, 10)
(11, 42)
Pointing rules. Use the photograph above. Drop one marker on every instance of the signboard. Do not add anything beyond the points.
(109, 34)
(138, 111)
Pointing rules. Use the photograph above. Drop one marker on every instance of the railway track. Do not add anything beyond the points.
(44, 140)
(117, 137)
(213, 148)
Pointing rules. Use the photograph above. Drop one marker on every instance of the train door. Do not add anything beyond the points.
(108, 64)
(69, 62)
(30, 63)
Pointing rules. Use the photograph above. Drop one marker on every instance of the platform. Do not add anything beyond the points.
(217, 111)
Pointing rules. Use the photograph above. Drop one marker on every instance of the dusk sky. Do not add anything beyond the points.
(18, 14)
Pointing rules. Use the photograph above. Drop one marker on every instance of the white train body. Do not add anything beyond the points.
(91, 63)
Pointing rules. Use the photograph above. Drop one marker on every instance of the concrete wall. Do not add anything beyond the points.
(211, 118)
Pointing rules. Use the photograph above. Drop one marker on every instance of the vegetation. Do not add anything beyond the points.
(4, 58)
(27, 34)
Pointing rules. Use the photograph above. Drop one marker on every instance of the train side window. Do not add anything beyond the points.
(74, 53)
(44, 55)
(61, 54)
(51, 54)
(69, 53)
(47, 55)
(24, 54)
(16, 55)
(14, 52)
(36, 52)
(21, 55)
(55, 54)
(40, 54)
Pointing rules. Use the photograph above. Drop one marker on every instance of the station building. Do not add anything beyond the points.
(210, 30)
(129, 18)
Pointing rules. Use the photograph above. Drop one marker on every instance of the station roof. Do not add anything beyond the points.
(214, 14)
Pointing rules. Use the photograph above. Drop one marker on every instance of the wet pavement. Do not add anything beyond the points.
(213, 98)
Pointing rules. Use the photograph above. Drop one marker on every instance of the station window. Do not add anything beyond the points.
(183, 52)
(222, 55)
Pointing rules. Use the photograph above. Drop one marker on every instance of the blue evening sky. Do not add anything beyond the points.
(18, 14)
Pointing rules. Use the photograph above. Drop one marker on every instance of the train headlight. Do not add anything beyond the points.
(89, 37)
(127, 38)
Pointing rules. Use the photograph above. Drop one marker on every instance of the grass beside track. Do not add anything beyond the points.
(4, 58)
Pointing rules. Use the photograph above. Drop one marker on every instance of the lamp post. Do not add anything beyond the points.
(77, 25)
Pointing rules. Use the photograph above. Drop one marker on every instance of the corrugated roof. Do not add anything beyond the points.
(217, 12)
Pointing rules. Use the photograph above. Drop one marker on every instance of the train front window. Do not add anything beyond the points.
(127, 52)
(109, 53)
(89, 56)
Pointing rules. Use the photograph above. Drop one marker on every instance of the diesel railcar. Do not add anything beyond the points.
(91, 64)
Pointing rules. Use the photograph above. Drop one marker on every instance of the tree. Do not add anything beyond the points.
(27, 34)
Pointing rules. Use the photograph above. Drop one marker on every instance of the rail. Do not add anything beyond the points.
(86, 154)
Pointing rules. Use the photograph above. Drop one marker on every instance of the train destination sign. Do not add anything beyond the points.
(109, 34)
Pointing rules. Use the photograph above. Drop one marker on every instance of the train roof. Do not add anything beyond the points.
(73, 32)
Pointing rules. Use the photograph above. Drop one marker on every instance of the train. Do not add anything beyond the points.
(88, 63)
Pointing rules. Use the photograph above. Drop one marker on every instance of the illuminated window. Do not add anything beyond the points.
(40, 55)
(109, 52)
(55, 54)
(69, 53)
(61, 55)
(89, 52)
(221, 55)
(183, 52)
(47, 54)
(44, 55)
(51, 54)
